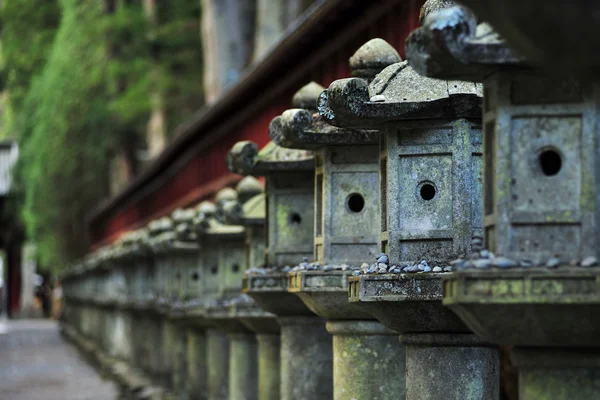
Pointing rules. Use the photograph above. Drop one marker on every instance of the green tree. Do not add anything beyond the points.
(85, 96)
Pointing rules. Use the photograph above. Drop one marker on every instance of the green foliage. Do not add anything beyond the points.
(63, 158)
(28, 29)
(80, 83)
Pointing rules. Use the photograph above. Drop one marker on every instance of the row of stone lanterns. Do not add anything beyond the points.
(395, 247)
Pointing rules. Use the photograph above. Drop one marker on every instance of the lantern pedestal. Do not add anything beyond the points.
(368, 361)
(438, 344)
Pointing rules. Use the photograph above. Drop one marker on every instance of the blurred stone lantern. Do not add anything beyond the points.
(162, 237)
(224, 239)
(186, 283)
(430, 200)
(289, 223)
(533, 288)
(346, 235)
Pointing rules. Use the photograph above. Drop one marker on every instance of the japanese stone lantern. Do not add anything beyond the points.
(534, 287)
(346, 236)
(225, 257)
(290, 199)
(430, 201)
(162, 238)
(184, 251)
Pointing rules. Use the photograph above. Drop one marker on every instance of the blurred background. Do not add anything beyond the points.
(115, 112)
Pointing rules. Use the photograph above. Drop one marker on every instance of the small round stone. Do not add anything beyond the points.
(448, 269)
(482, 263)
(437, 269)
(411, 268)
(426, 269)
(383, 258)
(378, 99)
(503, 262)
(553, 262)
(356, 273)
(589, 262)
(327, 268)
(526, 263)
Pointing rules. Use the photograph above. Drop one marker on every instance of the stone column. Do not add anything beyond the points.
(243, 374)
(306, 359)
(451, 366)
(197, 371)
(217, 356)
(368, 361)
(269, 365)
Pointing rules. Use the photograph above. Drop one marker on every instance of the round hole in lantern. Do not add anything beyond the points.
(550, 161)
(295, 219)
(427, 191)
(355, 202)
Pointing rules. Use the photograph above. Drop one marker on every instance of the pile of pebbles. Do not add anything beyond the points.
(382, 266)
(482, 258)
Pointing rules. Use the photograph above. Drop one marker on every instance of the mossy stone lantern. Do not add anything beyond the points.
(534, 287)
(289, 221)
(346, 236)
(231, 351)
(184, 250)
(430, 200)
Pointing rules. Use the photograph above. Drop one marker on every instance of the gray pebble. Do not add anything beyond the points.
(426, 269)
(482, 263)
(327, 268)
(437, 269)
(466, 265)
(484, 254)
(383, 258)
(423, 265)
(589, 262)
(356, 273)
(411, 268)
(553, 262)
(372, 269)
(503, 262)
(457, 263)
(382, 270)
(526, 263)
(379, 98)
(447, 269)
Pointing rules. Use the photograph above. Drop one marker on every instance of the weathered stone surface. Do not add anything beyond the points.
(554, 301)
(368, 361)
(306, 97)
(306, 347)
(218, 364)
(450, 45)
(243, 372)
(326, 294)
(269, 366)
(551, 373)
(456, 366)
(347, 102)
(399, 301)
(274, 298)
(371, 58)
(197, 367)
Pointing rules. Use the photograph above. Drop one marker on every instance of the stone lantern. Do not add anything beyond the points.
(186, 284)
(162, 236)
(231, 348)
(533, 287)
(430, 200)
(346, 235)
(290, 199)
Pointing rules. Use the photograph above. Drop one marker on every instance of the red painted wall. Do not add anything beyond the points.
(201, 177)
